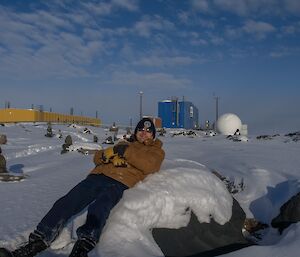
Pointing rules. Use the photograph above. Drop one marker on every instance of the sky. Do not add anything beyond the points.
(97, 56)
(269, 170)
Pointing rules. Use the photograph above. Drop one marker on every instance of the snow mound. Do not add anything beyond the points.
(164, 199)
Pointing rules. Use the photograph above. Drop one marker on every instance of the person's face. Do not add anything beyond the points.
(143, 134)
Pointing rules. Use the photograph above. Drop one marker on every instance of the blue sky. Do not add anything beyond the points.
(98, 55)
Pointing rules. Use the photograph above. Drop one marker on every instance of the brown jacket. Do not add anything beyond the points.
(142, 160)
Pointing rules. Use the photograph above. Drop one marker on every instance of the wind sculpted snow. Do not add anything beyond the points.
(164, 199)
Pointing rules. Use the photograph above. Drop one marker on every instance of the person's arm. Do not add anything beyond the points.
(98, 157)
(106, 155)
(147, 159)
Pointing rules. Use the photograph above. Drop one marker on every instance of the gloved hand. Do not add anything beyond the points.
(119, 161)
(108, 154)
(120, 149)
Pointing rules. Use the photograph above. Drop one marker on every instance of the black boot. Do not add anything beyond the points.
(32, 248)
(82, 247)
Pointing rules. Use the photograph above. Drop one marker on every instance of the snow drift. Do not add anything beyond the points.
(164, 199)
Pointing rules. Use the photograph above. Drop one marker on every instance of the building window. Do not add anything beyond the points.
(191, 112)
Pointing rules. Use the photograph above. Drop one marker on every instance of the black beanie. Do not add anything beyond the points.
(146, 123)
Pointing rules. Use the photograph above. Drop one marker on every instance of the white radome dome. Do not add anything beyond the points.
(228, 123)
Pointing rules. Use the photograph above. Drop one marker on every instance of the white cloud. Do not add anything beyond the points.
(127, 51)
(199, 42)
(192, 19)
(152, 80)
(289, 29)
(284, 52)
(201, 5)
(100, 8)
(216, 40)
(233, 33)
(39, 39)
(249, 7)
(150, 23)
(239, 53)
(258, 28)
(78, 18)
(44, 20)
(120, 31)
(293, 6)
(130, 5)
(106, 8)
(158, 61)
(239, 7)
(52, 21)
(44, 64)
(207, 24)
(92, 34)
(259, 7)
(183, 17)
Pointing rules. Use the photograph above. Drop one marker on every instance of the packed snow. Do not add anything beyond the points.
(268, 169)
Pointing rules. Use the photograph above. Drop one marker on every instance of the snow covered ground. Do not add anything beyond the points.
(269, 170)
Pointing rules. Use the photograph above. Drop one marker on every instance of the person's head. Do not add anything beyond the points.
(144, 130)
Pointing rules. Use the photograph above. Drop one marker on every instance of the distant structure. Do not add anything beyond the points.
(231, 124)
(178, 114)
(10, 115)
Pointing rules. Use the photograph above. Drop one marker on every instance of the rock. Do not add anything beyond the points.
(49, 131)
(3, 168)
(232, 186)
(68, 140)
(267, 137)
(65, 146)
(6, 177)
(59, 135)
(237, 138)
(95, 139)
(289, 214)
(203, 239)
(86, 131)
(113, 128)
(3, 139)
(252, 225)
(109, 141)
(294, 136)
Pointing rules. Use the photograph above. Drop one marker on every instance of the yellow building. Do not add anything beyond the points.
(10, 115)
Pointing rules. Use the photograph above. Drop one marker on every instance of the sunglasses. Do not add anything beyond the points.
(148, 130)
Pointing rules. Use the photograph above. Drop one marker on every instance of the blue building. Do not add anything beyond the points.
(178, 114)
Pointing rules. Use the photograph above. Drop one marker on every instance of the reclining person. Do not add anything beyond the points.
(117, 169)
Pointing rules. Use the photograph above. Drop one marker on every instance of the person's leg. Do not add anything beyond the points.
(109, 195)
(98, 212)
(72, 203)
(63, 209)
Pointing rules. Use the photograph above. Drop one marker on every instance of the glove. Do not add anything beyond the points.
(120, 149)
(108, 154)
(119, 162)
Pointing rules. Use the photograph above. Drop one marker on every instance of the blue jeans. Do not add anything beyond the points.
(99, 192)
